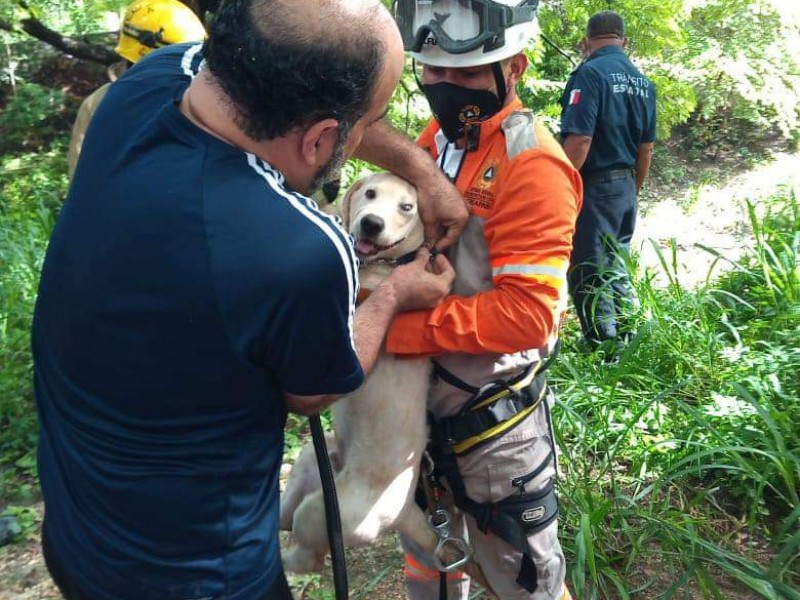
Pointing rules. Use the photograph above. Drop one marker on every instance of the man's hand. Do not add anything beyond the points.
(442, 210)
(422, 283)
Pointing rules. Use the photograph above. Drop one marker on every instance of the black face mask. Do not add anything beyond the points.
(454, 106)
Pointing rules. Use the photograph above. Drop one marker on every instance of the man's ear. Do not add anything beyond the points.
(318, 142)
(517, 66)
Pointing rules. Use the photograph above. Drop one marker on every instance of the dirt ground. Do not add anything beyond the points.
(707, 215)
(713, 216)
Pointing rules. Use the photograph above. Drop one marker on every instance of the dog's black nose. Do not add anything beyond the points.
(372, 225)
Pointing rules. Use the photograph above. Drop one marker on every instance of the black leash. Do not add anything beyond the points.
(333, 520)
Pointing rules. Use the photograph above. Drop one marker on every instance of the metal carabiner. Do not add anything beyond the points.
(440, 521)
(459, 546)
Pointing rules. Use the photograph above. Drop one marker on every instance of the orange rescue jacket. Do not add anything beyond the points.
(524, 197)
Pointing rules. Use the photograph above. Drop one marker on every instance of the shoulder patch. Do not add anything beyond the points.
(519, 131)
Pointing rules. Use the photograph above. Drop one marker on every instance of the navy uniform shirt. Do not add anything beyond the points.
(185, 289)
(609, 100)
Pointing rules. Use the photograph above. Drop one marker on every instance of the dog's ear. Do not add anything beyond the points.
(346, 202)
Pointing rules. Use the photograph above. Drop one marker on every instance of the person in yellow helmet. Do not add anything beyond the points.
(148, 24)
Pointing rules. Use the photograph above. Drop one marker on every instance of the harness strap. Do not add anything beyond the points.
(451, 379)
(493, 408)
(468, 429)
(512, 519)
(333, 520)
(446, 376)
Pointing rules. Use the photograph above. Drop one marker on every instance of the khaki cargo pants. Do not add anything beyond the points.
(487, 472)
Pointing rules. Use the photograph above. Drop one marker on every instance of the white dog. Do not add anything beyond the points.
(380, 429)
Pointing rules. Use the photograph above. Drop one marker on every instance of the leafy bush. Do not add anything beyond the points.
(32, 118)
(31, 189)
(730, 66)
(70, 17)
(741, 61)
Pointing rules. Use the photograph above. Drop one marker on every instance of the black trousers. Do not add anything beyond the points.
(277, 591)
(598, 280)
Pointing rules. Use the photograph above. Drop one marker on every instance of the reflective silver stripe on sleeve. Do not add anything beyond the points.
(530, 270)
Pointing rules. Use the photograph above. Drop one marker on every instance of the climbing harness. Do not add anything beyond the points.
(493, 410)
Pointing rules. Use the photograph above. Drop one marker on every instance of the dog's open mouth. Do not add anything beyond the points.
(365, 248)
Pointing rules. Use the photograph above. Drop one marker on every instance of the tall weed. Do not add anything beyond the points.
(681, 464)
(31, 190)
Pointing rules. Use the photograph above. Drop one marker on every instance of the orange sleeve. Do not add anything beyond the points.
(426, 139)
(529, 235)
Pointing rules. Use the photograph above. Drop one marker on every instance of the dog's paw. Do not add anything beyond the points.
(298, 559)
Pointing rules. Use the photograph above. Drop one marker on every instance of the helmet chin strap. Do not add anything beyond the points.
(500, 81)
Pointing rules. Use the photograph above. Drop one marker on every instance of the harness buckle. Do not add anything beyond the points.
(440, 521)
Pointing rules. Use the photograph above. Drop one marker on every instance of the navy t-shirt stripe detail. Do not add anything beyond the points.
(325, 222)
(189, 65)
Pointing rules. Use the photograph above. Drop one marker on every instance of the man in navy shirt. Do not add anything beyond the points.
(608, 127)
(192, 293)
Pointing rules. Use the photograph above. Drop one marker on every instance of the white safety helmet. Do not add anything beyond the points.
(465, 33)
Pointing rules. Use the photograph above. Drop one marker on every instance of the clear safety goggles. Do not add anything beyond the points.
(458, 26)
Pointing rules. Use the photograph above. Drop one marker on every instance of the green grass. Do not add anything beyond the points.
(690, 444)
(31, 190)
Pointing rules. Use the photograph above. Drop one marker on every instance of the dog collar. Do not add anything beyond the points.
(364, 293)
(391, 262)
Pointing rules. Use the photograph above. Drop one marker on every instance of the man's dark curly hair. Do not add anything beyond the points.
(289, 63)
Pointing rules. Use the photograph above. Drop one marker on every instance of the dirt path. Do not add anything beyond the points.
(712, 216)
(708, 215)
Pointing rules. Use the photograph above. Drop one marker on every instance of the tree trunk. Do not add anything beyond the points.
(77, 48)
(85, 50)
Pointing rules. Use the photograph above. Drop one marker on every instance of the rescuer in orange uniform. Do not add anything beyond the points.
(492, 437)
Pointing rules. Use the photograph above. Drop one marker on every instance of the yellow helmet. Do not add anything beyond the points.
(150, 24)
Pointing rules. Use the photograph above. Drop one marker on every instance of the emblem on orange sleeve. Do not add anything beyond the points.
(487, 174)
